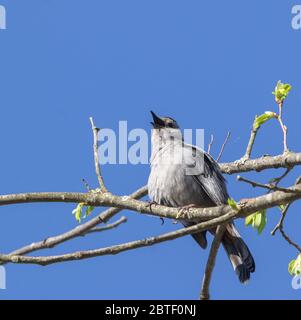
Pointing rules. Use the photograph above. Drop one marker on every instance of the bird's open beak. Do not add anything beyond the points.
(158, 122)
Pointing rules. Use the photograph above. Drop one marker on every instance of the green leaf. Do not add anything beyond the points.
(233, 204)
(89, 209)
(257, 220)
(249, 220)
(260, 120)
(78, 211)
(294, 267)
(281, 91)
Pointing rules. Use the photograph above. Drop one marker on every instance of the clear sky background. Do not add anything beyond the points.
(208, 64)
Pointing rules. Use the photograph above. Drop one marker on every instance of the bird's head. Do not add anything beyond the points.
(165, 128)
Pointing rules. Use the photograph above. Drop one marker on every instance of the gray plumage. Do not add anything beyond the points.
(183, 175)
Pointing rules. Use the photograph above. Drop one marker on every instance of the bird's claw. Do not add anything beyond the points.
(150, 204)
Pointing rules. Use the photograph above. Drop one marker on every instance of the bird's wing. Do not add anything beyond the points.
(208, 174)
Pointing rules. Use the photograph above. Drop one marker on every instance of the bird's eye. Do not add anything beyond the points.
(170, 125)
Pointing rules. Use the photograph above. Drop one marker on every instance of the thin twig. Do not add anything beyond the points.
(283, 127)
(223, 146)
(280, 227)
(250, 143)
(281, 221)
(277, 180)
(205, 294)
(287, 238)
(270, 187)
(108, 226)
(96, 158)
(210, 144)
(284, 210)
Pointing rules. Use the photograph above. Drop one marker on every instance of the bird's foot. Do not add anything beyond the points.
(153, 203)
(185, 211)
(150, 204)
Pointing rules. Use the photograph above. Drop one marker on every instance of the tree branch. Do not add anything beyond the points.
(205, 295)
(250, 143)
(287, 238)
(77, 231)
(223, 146)
(280, 223)
(288, 160)
(210, 144)
(277, 180)
(280, 227)
(96, 158)
(213, 217)
(107, 227)
(79, 255)
(269, 186)
(283, 127)
(126, 202)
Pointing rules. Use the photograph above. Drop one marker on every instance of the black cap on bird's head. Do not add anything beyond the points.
(164, 122)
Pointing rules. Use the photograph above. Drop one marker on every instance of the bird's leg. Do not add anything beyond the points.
(185, 210)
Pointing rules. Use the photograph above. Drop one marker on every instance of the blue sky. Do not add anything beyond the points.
(210, 65)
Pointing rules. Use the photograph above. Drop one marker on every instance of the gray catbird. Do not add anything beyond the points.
(183, 175)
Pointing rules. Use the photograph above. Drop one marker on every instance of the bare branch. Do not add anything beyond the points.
(205, 295)
(280, 223)
(283, 127)
(280, 227)
(80, 255)
(223, 146)
(210, 144)
(215, 215)
(277, 180)
(270, 187)
(108, 226)
(288, 160)
(287, 238)
(284, 210)
(77, 231)
(251, 142)
(126, 202)
(96, 158)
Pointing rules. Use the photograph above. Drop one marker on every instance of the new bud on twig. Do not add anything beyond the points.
(281, 91)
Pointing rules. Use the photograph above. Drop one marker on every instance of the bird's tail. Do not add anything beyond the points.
(238, 253)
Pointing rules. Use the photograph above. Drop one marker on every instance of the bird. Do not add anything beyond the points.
(183, 176)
